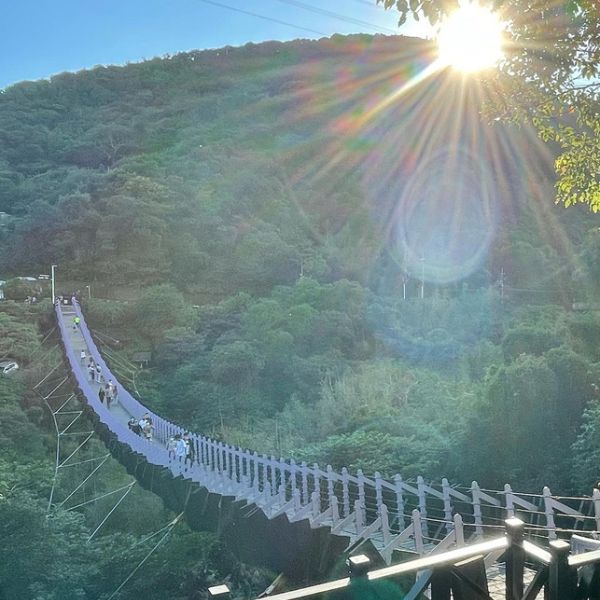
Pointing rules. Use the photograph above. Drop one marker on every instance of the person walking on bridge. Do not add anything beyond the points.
(180, 448)
(82, 356)
(76, 321)
(92, 370)
(101, 396)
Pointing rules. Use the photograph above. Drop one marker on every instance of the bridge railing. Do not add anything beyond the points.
(364, 506)
(464, 573)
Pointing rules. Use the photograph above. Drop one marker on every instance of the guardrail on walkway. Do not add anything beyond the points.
(461, 573)
(392, 513)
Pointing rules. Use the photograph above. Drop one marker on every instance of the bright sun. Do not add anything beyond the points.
(471, 39)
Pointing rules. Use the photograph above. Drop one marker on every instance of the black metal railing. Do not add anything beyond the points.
(462, 573)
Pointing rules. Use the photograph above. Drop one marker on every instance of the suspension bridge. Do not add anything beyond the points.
(300, 518)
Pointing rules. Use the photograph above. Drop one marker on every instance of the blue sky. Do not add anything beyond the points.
(39, 38)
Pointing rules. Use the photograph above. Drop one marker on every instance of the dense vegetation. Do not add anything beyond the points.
(46, 551)
(389, 290)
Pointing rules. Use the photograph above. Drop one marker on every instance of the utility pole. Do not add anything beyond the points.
(53, 288)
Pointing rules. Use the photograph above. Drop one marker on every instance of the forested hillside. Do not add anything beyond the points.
(322, 266)
(86, 544)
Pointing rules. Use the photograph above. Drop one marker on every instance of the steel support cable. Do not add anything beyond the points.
(150, 536)
(85, 480)
(104, 335)
(140, 564)
(47, 375)
(129, 488)
(82, 462)
(124, 362)
(119, 362)
(48, 335)
(89, 435)
(71, 423)
(58, 386)
(105, 495)
(40, 353)
(57, 459)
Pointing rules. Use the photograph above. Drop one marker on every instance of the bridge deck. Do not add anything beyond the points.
(77, 341)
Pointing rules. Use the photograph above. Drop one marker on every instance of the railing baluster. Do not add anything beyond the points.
(317, 480)
(273, 464)
(399, 502)
(447, 505)
(476, 508)
(549, 511)
(345, 493)
(304, 472)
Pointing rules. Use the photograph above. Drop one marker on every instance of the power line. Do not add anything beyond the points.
(335, 15)
(264, 17)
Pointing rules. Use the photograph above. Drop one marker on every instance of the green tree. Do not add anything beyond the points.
(160, 307)
(18, 340)
(550, 78)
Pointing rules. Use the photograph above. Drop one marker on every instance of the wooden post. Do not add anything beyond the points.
(330, 482)
(399, 502)
(476, 508)
(459, 531)
(562, 580)
(361, 488)
(509, 500)
(422, 503)
(304, 471)
(596, 499)
(211, 456)
(378, 492)
(266, 492)
(226, 457)
(549, 510)
(515, 559)
(317, 479)
(385, 524)
(282, 496)
(292, 476)
(345, 493)
(256, 481)
(273, 463)
(335, 511)
(282, 466)
(220, 458)
(315, 500)
(418, 532)
(447, 505)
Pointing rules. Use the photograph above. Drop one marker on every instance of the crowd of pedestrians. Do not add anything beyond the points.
(144, 427)
(179, 447)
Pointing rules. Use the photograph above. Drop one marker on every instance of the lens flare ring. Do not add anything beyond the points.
(445, 218)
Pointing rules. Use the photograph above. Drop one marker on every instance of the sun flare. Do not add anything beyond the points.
(471, 39)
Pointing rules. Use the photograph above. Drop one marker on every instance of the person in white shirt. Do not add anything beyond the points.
(180, 448)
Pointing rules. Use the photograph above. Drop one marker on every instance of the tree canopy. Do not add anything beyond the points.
(550, 77)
